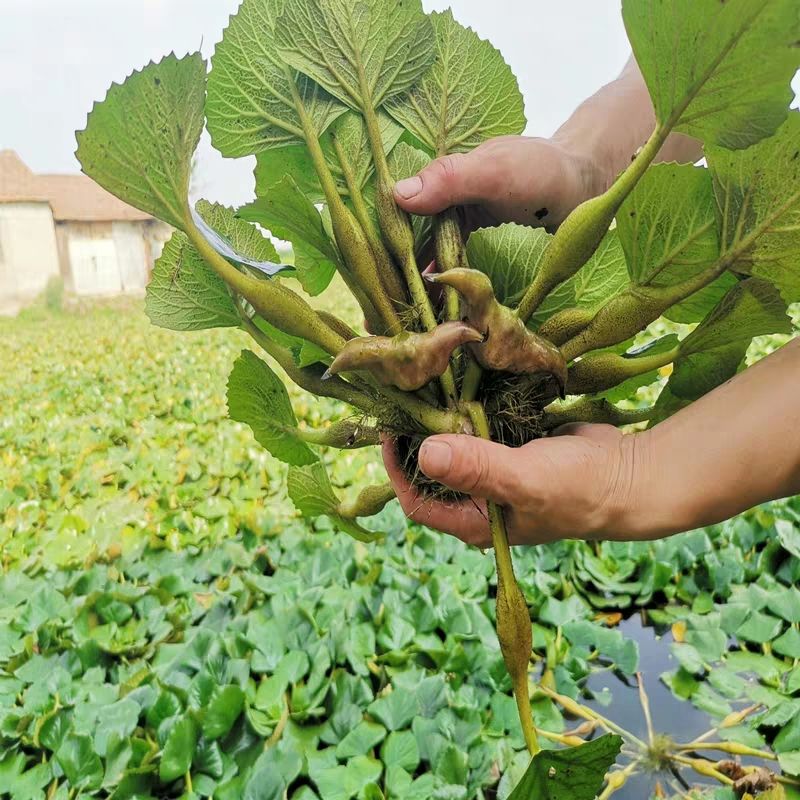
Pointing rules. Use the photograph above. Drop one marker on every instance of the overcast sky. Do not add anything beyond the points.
(58, 56)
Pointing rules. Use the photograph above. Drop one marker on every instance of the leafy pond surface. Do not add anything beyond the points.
(169, 628)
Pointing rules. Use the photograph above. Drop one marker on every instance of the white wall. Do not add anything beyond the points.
(28, 253)
(132, 255)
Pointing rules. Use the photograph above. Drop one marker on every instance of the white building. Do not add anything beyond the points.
(69, 227)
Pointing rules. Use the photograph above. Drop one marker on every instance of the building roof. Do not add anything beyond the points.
(73, 198)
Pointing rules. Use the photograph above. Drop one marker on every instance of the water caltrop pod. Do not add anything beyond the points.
(408, 361)
(508, 345)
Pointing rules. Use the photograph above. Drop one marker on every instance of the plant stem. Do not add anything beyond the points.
(346, 435)
(386, 267)
(350, 238)
(514, 628)
(600, 373)
(430, 418)
(584, 229)
(644, 700)
(731, 748)
(616, 780)
(705, 768)
(471, 383)
(278, 305)
(306, 378)
(398, 233)
(579, 710)
(589, 409)
(450, 254)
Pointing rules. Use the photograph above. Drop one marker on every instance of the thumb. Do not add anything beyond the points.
(458, 179)
(472, 466)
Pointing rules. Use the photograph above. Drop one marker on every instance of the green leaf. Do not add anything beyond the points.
(785, 602)
(758, 194)
(289, 214)
(721, 71)
(469, 95)
(363, 53)
(395, 710)
(139, 141)
(574, 774)
(510, 255)
(602, 277)
(258, 398)
(244, 239)
(363, 738)
(179, 749)
(712, 353)
(759, 628)
(789, 763)
(668, 229)
(400, 749)
(350, 133)
(311, 492)
(224, 708)
(81, 765)
(185, 294)
(251, 103)
(788, 644)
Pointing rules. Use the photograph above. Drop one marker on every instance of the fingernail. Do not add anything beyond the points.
(435, 458)
(408, 188)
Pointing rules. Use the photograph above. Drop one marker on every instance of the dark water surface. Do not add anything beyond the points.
(676, 718)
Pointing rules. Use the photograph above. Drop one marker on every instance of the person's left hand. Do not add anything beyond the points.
(580, 483)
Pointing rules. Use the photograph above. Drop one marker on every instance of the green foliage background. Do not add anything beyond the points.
(163, 610)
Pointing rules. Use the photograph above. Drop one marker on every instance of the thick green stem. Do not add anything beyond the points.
(428, 417)
(584, 229)
(344, 435)
(396, 228)
(514, 629)
(278, 305)
(599, 373)
(594, 411)
(450, 254)
(350, 238)
(471, 384)
(565, 325)
(386, 267)
(632, 311)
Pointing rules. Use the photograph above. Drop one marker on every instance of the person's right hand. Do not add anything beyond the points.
(510, 179)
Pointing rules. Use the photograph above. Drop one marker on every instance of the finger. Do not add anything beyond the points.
(458, 179)
(472, 466)
(466, 520)
(603, 434)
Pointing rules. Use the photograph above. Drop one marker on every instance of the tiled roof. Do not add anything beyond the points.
(73, 198)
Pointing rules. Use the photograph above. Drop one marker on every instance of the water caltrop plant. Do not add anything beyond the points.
(526, 330)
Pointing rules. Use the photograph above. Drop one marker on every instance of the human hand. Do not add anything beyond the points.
(509, 179)
(580, 483)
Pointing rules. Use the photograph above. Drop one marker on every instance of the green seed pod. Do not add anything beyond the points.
(573, 245)
(605, 371)
(370, 501)
(344, 435)
(508, 346)
(565, 325)
(408, 361)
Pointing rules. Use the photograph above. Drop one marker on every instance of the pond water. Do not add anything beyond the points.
(676, 718)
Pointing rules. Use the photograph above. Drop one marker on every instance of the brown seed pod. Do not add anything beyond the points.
(408, 361)
(508, 346)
